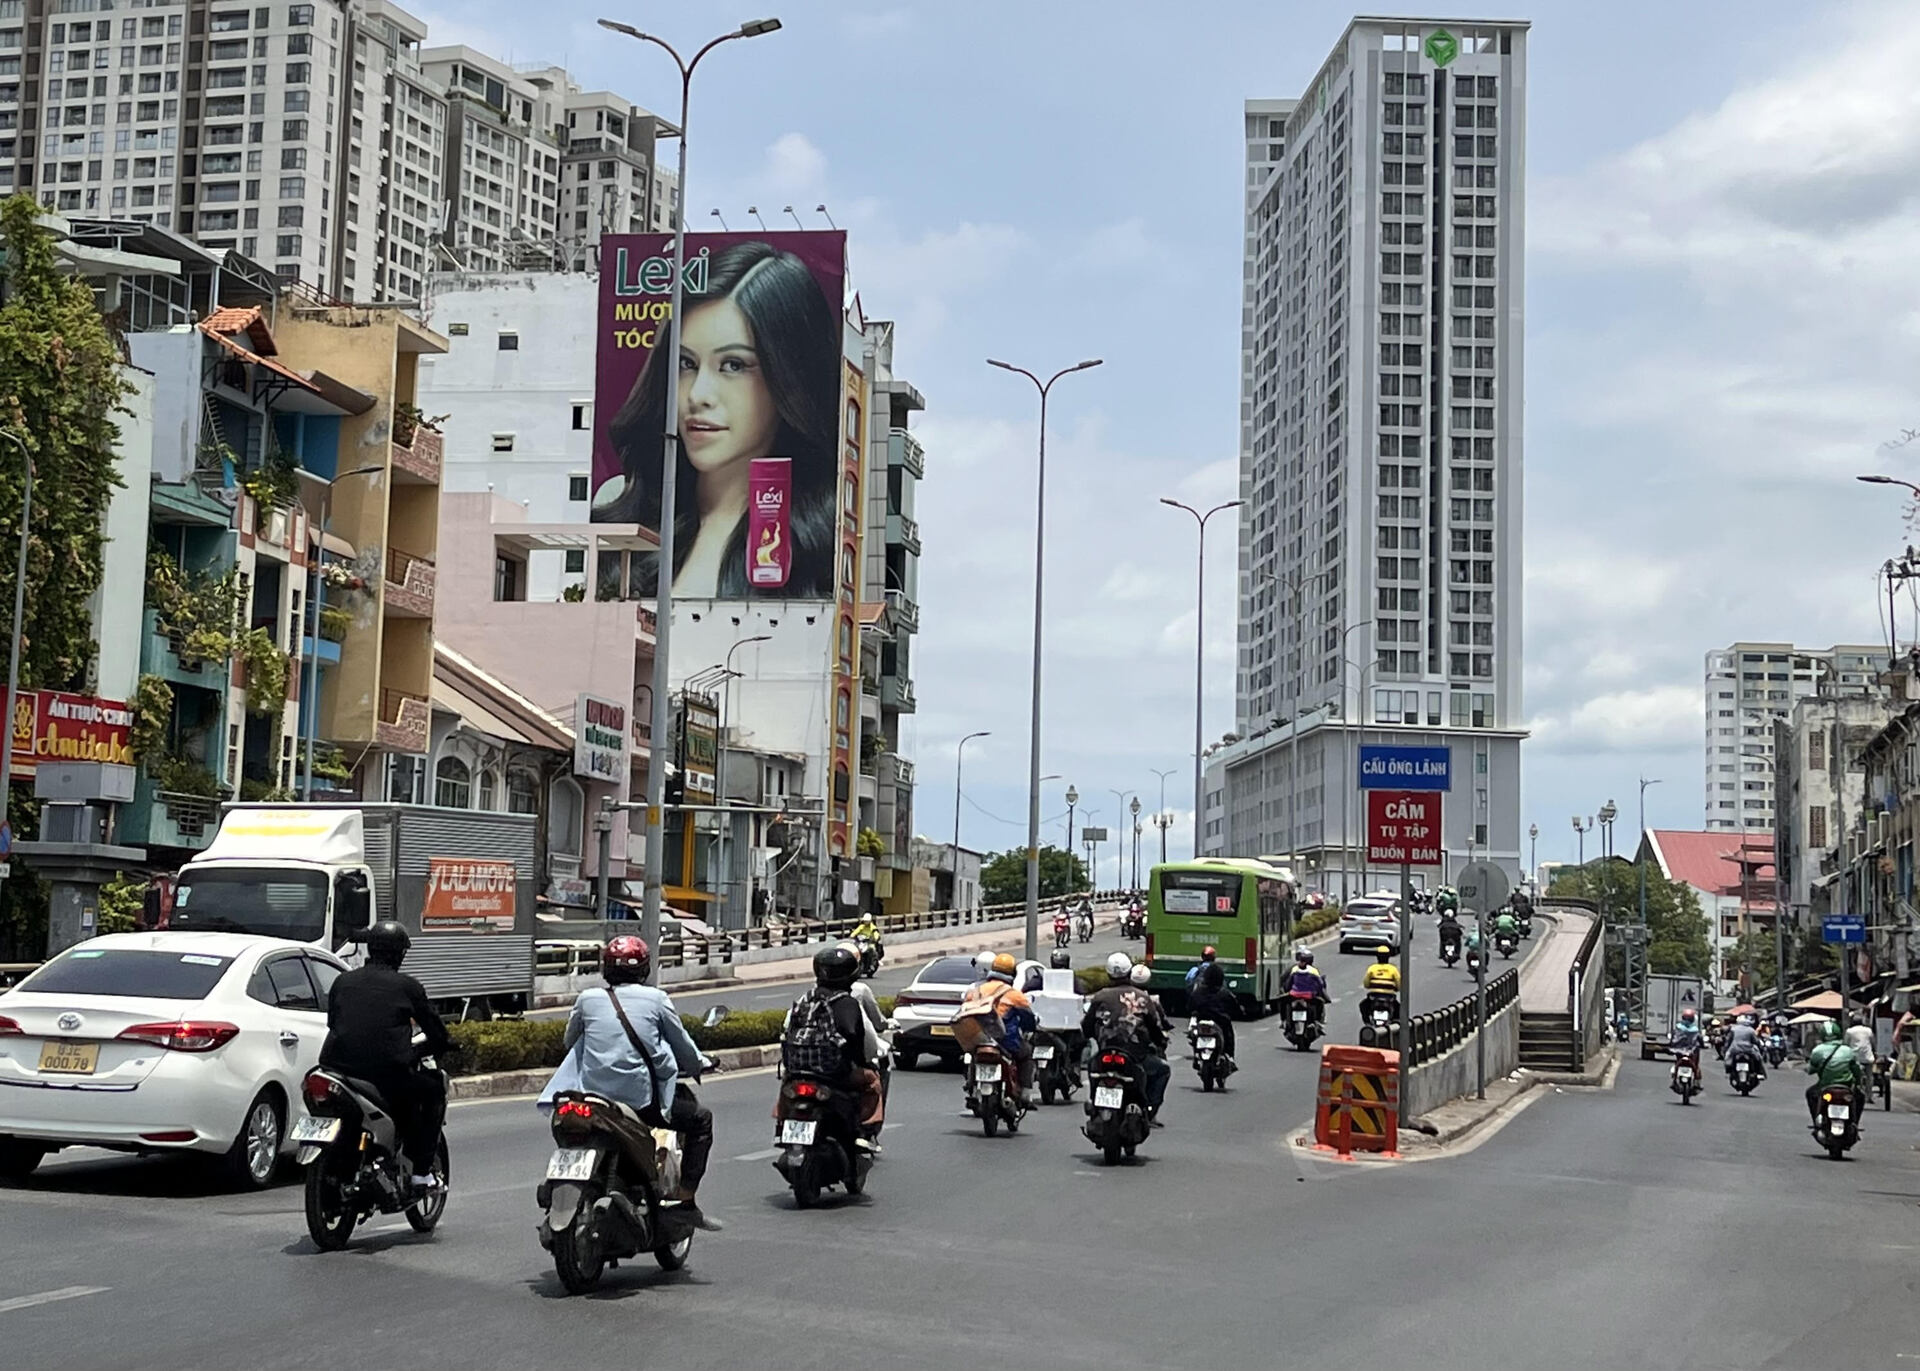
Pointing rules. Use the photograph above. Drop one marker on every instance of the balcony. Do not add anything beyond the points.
(420, 457)
(163, 657)
(904, 450)
(410, 585)
(904, 531)
(906, 614)
(160, 818)
(896, 771)
(897, 693)
(404, 721)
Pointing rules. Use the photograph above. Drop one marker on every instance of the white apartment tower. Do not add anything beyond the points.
(1748, 687)
(503, 161)
(1381, 429)
(392, 192)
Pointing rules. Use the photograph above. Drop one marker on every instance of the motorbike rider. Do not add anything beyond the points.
(1859, 1037)
(1306, 979)
(1211, 1000)
(836, 973)
(1124, 1015)
(1383, 979)
(1832, 1063)
(1743, 1041)
(1450, 931)
(634, 1049)
(1686, 1036)
(867, 931)
(1207, 954)
(371, 1014)
(996, 1011)
(1505, 925)
(1083, 918)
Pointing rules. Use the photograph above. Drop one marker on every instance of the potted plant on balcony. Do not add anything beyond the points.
(870, 844)
(330, 764)
(266, 669)
(274, 485)
(196, 611)
(409, 420)
(334, 623)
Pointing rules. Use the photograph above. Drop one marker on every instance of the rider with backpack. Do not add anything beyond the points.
(829, 1037)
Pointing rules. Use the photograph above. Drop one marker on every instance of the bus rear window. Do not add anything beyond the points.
(1209, 893)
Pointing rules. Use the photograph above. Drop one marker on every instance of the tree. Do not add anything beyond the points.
(60, 386)
(1003, 877)
(1676, 928)
(1754, 955)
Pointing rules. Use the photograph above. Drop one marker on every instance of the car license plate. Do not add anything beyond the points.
(797, 1132)
(986, 1074)
(941, 1030)
(312, 1130)
(59, 1057)
(1108, 1097)
(1839, 1113)
(1043, 1054)
(572, 1164)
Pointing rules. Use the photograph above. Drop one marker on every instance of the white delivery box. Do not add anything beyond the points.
(1057, 1005)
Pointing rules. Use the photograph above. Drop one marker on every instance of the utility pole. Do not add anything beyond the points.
(1637, 975)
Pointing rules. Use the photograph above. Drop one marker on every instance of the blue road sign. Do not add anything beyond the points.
(1843, 928)
(1405, 768)
(6, 840)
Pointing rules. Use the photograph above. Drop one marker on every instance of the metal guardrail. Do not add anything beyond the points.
(1438, 1033)
(1577, 997)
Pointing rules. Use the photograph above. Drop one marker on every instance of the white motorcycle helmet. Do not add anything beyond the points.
(983, 964)
(1119, 967)
(1141, 974)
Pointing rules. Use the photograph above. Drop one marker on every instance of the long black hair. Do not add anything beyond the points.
(796, 333)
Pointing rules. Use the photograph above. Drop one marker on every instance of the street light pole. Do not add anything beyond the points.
(959, 758)
(1199, 647)
(727, 676)
(1119, 842)
(1134, 811)
(1608, 812)
(1039, 576)
(19, 608)
(669, 475)
(1073, 798)
(1533, 853)
(1581, 827)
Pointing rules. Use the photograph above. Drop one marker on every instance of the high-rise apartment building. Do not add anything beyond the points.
(393, 183)
(1380, 438)
(503, 160)
(1748, 687)
(607, 168)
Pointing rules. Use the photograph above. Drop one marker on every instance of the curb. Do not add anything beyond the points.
(501, 1084)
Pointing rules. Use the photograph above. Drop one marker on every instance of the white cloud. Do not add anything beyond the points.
(1658, 716)
(795, 167)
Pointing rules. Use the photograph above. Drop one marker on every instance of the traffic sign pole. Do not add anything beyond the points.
(1406, 965)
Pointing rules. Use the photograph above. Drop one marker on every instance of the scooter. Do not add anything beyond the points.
(350, 1145)
(1062, 930)
(1117, 1119)
(1476, 962)
(991, 1093)
(1376, 1020)
(1506, 944)
(1833, 1127)
(1133, 924)
(1742, 1075)
(1450, 938)
(813, 1126)
(1086, 925)
(1209, 1060)
(1685, 1080)
(1302, 1024)
(1054, 1067)
(1776, 1050)
(870, 955)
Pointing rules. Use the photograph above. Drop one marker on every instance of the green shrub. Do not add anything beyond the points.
(506, 1045)
(1320, 919)
(742, 1028)
(1090, 980)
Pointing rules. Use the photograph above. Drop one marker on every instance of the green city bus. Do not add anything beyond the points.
(1242, 908)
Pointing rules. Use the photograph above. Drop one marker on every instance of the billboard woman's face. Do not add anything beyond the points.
(727, 414)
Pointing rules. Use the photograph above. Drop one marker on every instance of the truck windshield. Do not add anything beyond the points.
(274, 903)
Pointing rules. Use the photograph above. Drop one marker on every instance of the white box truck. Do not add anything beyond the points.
(462, 882)
(1666, 997)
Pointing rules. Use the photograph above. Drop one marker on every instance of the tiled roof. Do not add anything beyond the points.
(1713, 862)
(223, 325)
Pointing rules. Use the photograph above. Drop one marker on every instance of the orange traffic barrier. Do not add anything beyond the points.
(1358, 1106)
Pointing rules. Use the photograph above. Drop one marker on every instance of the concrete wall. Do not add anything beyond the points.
(1426, 1088)
(117, 606)
(174, 357)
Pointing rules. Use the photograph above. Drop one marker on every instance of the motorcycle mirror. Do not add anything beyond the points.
(715, 1014)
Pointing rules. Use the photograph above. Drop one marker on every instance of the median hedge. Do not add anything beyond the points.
(539, 1044)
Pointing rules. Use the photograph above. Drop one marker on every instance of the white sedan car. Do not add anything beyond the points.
(163, 1042)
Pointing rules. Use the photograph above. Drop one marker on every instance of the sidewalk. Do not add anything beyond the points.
(1543, 978)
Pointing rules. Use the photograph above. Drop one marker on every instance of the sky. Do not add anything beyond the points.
(1723, 310)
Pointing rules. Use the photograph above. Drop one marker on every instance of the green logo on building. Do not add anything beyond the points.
(1441, 47)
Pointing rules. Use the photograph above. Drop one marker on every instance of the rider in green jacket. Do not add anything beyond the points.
(1832, 1063)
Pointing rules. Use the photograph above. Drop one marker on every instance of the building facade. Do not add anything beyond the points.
(1750, 687)
(1381, 453)
(1819, 787)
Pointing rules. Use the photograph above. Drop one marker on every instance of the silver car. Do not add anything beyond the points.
(923, 1012)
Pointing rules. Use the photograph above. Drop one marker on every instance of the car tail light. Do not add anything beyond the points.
(8, 1028)
(186, 1035)
(574, 1109)
(902, 1001)
(805, 1090)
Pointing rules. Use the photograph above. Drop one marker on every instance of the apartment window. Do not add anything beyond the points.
(293, 187)
(299, 73)
(576, 486)
(503, 442)
(576, 561)
(509, 341)
(298, 15)
(299, 43)
(1816, 752)
(452, 784)
(1816, 826)
(579, 415)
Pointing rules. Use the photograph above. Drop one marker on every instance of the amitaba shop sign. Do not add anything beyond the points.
(52, 726)
(759, 405)
(599, 738)
(468, 895)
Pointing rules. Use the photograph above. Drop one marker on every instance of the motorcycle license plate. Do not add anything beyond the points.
(797, 1132)
(571, 1164)
(985, 1074)
(1108, 1097)
(1206, 1042)
(1043, 1054)
(312, 1130)
(1839, 1113)
(1299, 1016)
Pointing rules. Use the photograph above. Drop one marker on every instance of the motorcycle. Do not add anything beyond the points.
(813, 1127)
(1450, 938)
(870, 955)
(1776, 1051)
(349, 1144)
(1833, 1127)
(1117, 1119)
(1685, 1080)
(1376, 1020)
(991, 1093)
(1086, 925)
(1053, 1065)
(1062, 930)
(605, 1191)
(1506, 944)
(1526, 924)
(1209, 1060)
(1302, 1024)
(1883, 1081)
(1742, 1075)
(1133, 924)
(1476, 962)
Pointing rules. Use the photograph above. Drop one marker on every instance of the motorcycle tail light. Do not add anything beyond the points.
(574, 1109)
(1112, 1059)
(805, 1090)
(317, 1088)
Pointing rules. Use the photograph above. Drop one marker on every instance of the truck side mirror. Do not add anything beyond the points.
(353, 904)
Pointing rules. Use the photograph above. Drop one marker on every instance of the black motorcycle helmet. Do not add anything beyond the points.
(387, 944)
(1062, 960)
(835, 968)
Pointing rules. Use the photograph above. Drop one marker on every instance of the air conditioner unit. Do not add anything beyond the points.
(64, 822)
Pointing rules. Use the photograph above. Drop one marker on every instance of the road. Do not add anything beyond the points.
(97, 1246)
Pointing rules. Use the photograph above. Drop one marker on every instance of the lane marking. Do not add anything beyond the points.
(763, 1155)
(65, 1292)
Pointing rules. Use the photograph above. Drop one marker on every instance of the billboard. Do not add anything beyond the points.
(468, 895)
(759, 378)
(53, 726)
(699, 749)
(1403, 827)
(599, 738)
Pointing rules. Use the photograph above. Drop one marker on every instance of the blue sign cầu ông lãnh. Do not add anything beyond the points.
(1405, 768)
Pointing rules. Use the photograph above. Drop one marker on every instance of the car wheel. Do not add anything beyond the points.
(19, 1159)
(249, 1164)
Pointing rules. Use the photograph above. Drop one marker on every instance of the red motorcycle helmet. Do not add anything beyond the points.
(626, 960)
